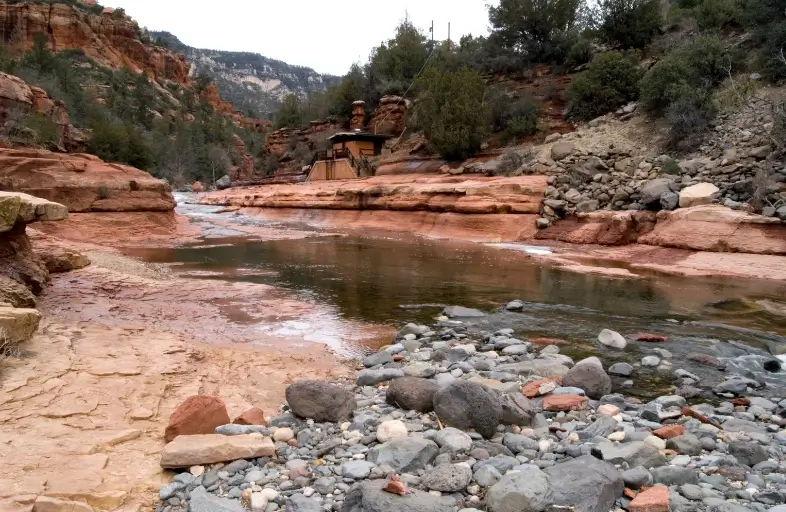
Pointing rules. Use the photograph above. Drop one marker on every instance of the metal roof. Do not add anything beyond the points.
(358, 135)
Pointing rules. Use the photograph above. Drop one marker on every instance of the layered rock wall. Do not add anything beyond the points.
(83, 183)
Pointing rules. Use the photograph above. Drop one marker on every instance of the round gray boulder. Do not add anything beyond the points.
(320, 401)
(523, 491)
(589, 375)
(412, 394)
(448, 478)
(465, 405)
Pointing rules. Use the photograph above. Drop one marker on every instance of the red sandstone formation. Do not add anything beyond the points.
(197, 415)
(83, 183)
(389, 117)
(210, 94)
(244, 171)
(108, 38)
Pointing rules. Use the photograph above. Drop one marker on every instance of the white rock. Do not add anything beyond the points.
(282, 435)
(269, 494)
(197, 470)
(616, 436)
(391, 429)
(308, 491)
(612, 339)
(699, 194)
(258, 502)
(650, 361)
(608, 410)
(657, 442)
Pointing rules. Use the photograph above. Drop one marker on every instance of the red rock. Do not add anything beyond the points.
(197, 187)
(197, 415)
(532, 389)
(650, 338)
(654, 499)
(253, 416)
(398, 358)
(292, 442)
(629, 493)
(670, 431)
(547, 341)
(555, 403)
(740, 402)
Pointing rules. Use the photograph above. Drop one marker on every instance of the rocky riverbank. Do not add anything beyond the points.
(451, 418)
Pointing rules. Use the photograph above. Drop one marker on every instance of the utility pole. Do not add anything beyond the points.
(432, 34)
(448, 36)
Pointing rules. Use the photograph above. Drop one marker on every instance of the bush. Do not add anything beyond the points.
(611, 80)
(451, 111)
(690, 72)
(689, 118)
(630, 23)
(772, 60)
(716, 14)
(522, 119)
(44, 131)
(580, 53)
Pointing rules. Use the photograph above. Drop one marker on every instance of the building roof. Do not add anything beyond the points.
(345, 136)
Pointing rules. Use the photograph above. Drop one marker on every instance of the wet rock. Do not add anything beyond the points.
(622, 369)
(525, 491)
(448, 478)
(589, 375)
(462, 312)
(196, 415)
(320, 401)
(465, 405)
(369, 497)
(586, 484)
(405, 454)
(374, 377)
(612, 339)
(412, 393)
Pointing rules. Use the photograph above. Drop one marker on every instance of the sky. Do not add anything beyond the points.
(326, 36)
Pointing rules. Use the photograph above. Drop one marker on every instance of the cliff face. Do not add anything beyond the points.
(111, 38)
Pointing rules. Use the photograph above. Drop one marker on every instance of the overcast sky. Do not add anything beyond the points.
(327, 36)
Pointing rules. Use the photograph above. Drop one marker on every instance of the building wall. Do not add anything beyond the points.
(341, 170)
(356, 146)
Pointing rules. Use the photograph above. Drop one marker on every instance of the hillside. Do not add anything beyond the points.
(250, 81)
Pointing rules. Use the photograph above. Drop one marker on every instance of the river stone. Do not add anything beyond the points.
(652, 190)
(674, 475)
(622, 369)
(198, 450)
(462, 312)
(686, 444)
(601, 427)
(518, 443)
(299, 503)
(612, 339)
(412, 393)
(588, 374)
(356, 469)
(517, 410)
(637, 453)
(423, 370)
(320, 401)
(374, 377)
(586, 484)
(747, 453)
(369, 497)
(637, 477)
(448, 478)
(453, 440)
(201, 501)
(391, 429)
(417, 330)
(521, 491)
(487, 475)
(404, 454)
(377, 359)
(465, 405)
(515, 305)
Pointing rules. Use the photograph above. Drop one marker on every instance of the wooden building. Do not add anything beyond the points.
(348, 158)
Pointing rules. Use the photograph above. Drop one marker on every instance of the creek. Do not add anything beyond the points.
(386, 278)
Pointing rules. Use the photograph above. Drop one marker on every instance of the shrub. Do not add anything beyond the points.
(580, 53)
(290, 114)
(611, 80)
(690, 72)
(44, 131)
(688, 119)
(772, 60)
(451, 111)
(716, 14)
(630, 23)
(522, 119)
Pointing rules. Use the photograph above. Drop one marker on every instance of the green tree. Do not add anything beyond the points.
(611, 80)
(630, 23)
(537, 30)
(40, 57)
(393, 65)
(289, 114)
(353, 86)
(451, 111)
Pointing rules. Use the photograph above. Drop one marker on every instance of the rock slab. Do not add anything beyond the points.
(199, 414)
(197, 450)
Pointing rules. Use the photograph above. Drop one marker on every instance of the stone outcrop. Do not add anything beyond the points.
(244, 171)
(17, 96)
(83, 183)
(210, 94)
(389, 117)
(441, 194)
(111, 38)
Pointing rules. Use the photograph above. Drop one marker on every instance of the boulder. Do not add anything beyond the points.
(15, 293)
(517, 410)
(562, 150)
(320, 401)
(17, 324)
(465, 405)
(522, 491)
(699, 194)
(448, 478)
(197, 187)
(197, 450)
(586, 484)
(652, 190)
(453, 440)
(462, 312)
(589, 375)
(369, 496)
(412, 393)
(223, 183)
(404, 454)
(637, 453)
(253, 416)
(747, 452)
(198, 414)
(59, 260)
